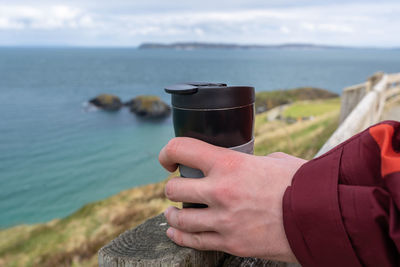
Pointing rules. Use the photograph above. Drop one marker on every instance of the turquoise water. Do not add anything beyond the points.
(56, 156)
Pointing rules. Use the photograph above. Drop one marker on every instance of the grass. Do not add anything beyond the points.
(260, 120)
(312, 108)
(75, 240)
(267, 100)
(301, 139)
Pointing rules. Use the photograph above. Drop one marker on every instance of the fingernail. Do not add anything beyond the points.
(167, 211)
(170, 232)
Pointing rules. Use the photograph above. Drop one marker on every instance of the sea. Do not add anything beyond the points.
(57, 153)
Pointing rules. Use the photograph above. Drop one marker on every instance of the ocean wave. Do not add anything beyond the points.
(88, 107)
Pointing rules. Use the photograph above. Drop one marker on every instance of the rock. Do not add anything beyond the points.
(107, 102)
(149, 107)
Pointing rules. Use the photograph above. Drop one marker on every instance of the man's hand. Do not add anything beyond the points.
(244, 197)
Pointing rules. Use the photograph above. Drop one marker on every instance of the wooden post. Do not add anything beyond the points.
(148, 245)
(351, 96)
(366, 113)
(374, 79)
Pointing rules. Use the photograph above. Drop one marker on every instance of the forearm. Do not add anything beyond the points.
(342, 208)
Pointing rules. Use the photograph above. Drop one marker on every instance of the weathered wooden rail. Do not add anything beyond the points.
(362, 106)
(148, 245)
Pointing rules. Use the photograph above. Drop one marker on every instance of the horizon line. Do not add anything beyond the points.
(239, 45)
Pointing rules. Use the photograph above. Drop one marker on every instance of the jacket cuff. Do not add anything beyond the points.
(312, 216)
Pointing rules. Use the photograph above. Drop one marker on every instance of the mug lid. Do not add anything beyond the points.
(204, 95)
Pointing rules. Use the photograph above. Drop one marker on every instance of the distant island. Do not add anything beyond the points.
(199, 45)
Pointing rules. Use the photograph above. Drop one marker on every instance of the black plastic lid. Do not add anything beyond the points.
(199, 95)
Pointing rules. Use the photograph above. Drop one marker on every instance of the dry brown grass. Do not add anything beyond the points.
(75, 240)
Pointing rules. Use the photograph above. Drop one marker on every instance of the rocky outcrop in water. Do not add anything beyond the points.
(148, 106)
(107, 102)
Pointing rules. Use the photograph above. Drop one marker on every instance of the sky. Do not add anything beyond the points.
(362, 23)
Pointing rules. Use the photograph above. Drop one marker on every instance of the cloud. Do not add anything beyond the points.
(344, 24)
(326, 27)
(21, 17)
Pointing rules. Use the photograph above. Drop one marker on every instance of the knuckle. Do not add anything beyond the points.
(227, 224)
(172, 147)
(180, 222)
(217, 193)
(198, 241)
(230, 248)
(225, 193)
(178, 238)
(226, 220)
(235, 248)
(170, 189)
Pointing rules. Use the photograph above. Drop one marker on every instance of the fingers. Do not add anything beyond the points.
(188, 190)
(190, 152)
(199, 241)
(190, 220)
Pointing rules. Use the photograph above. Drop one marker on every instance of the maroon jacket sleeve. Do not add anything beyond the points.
(343, 208)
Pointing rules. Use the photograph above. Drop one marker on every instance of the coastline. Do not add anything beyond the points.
(75, 239)
(57, 157)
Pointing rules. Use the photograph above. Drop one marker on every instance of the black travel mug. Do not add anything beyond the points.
(215, 113)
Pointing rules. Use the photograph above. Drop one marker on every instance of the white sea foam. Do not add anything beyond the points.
(88, 107)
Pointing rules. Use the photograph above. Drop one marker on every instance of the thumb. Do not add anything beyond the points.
(190, 152)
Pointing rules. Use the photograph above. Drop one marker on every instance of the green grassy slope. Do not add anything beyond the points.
(267, 100)
(303, 138)
(311, 108)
